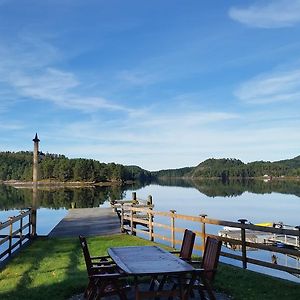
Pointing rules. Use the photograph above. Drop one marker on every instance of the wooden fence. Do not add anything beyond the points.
(16, 231)
(131, 216)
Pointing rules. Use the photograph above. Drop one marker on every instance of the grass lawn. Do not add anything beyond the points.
(55, 269)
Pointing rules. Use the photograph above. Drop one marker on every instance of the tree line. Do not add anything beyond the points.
(18, 166)
(234, 168)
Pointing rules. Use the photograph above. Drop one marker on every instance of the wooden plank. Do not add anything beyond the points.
(14, 219)
(146, 260)
(87, 222)
(273, 266)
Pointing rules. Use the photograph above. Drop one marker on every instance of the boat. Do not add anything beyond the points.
(257, 236)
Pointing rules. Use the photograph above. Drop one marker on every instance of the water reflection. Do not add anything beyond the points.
(12, 198)
(232, 188)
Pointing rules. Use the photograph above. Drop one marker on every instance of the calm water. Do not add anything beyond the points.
(256, 201)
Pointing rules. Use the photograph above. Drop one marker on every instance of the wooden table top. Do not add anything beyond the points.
(147, 260)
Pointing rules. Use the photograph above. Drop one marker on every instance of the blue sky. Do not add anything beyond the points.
(159, 84)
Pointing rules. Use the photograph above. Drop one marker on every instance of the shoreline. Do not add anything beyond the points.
(61, 184)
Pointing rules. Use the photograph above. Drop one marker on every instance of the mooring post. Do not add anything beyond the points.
(172, 211)
(134, 199)
(243, 239)
(149, 200)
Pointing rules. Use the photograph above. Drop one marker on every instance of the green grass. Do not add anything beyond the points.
(248, 285)
(54, 269)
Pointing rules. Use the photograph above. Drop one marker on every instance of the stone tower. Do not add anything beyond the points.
(35, 158)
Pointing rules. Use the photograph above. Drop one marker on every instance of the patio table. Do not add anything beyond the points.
(152, 261)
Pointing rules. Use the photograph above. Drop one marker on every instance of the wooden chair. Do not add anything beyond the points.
(187, 245)
(208, 268)
(203, 277)
(185, 253)
(104, 276)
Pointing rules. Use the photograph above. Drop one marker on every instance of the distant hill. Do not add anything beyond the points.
(228, 167)
(182, 172)
(293, 163)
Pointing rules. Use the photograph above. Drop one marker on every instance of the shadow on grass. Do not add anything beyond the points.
(49, 269)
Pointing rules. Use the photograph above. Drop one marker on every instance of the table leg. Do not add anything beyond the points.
(136, 288)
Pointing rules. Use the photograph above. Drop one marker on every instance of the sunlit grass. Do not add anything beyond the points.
(55, 269)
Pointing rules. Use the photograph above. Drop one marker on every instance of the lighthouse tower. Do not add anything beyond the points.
(35, 159)
(34, 188)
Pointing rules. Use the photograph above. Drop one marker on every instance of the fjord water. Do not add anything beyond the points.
(256, 201)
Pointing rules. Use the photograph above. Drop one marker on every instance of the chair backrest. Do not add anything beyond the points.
(86, 254)
(211, 256)
(187, 245)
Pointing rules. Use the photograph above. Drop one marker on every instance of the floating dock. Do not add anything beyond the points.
(87, 222)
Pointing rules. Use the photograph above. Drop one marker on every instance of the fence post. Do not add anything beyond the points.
(203, 216)
(10, 236)
(21, 230)
(33, 222)
(243, 238)
(150, 219)
(131, 221)
(122, 218)
(150, 225)
(134, 202)
(298, 227)
(172, 211)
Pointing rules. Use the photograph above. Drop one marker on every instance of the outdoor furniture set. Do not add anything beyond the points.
(168, 274)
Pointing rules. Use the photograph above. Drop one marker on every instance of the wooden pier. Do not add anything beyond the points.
(97, 221)
(88, 222)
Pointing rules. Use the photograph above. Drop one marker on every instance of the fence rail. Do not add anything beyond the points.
(131, 216)
(16, 231)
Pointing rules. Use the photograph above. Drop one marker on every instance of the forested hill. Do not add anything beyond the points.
(182, 172)
(18, 166)
(226, 168)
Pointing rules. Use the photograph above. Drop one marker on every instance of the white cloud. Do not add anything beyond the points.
(268, 14)
(179, 146)
(27, 71)
(150, 140)
(271, 88)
